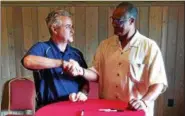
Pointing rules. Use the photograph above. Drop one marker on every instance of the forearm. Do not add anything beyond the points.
(90, 74)
(39, 62)
(153, 92)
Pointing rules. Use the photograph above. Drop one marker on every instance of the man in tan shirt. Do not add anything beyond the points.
(128, 66)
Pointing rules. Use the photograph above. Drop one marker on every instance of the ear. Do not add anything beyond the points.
(132, 20)
(54, 29)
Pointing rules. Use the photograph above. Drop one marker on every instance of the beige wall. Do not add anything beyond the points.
(23, 25)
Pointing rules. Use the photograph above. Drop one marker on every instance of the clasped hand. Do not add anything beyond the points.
(72, 67)
(80, 96)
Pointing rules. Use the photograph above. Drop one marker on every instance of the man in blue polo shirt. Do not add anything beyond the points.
(49, 62)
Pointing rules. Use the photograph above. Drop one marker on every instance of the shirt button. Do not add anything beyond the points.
(117, 74)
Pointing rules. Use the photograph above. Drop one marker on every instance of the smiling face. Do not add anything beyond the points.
(121, 21)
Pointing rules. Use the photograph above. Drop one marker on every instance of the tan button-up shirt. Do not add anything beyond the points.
(127, 73)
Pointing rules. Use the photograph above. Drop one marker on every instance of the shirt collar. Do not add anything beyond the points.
(67, 50)
(133, 42)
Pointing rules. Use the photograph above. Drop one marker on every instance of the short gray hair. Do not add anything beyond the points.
(53, 18)
(131, 10)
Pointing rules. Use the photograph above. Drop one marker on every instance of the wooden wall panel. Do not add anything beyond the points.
(27, 27)
(1, 84)
(171, 56)
(161, 100)
(18, 35)
(80, 32)
(11, 42)
(24, 24)
(42, 27)
(55, 8)
(5, 56)
(91, 33)
(35, 32)
(4, 50)
(138, 19)
(27, 33)
(164, 31)
(143, 20)
(110, 28)
(179, 64)
(102, 23)
(155, 20)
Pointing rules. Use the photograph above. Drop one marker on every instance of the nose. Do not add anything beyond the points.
(72, 30)
(114, 24)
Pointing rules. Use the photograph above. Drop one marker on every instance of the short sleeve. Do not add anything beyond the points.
(157, 73)
(98, 57)
(37, 50)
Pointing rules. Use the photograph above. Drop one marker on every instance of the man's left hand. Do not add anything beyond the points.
(80, 96)
(137, 104)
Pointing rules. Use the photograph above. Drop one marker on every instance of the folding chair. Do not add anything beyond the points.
(21, 97)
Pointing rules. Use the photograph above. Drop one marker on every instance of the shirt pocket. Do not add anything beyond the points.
(136, 72)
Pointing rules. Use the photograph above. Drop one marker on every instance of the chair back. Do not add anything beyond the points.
(20, 94)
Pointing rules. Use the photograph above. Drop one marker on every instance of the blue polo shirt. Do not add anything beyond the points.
(53, 84)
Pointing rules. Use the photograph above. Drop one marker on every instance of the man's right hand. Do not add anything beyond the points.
(76, 69)
(66, 65)
(72, 67)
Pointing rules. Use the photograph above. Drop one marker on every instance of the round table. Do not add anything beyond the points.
(90, 107)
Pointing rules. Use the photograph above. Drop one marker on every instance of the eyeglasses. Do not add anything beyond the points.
(118, 21)
(68, 26)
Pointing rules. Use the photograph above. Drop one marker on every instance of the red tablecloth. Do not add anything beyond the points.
(91, 108)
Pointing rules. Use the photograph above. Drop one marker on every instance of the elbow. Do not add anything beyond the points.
(94, 77)
(94, 74)
(27, 62)
(97, 78)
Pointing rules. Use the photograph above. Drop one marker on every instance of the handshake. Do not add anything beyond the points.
(73, 68)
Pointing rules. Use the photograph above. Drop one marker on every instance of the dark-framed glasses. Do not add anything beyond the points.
(119, 21)
(68, 26)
